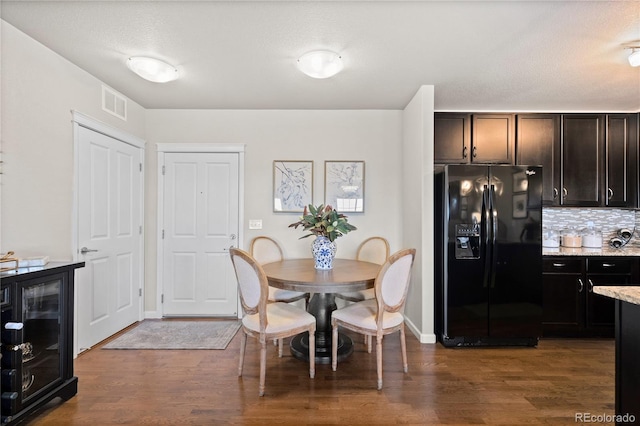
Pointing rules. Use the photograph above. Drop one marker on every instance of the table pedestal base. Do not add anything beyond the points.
(320, 306)
(300, 348)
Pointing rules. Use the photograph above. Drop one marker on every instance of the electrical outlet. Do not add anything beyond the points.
(255, 223)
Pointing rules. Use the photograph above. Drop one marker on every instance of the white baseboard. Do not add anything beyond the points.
(152, 315)
(428, 338)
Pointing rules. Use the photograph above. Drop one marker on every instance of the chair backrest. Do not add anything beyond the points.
(374, 250)
(265, 250)
(392, 282)
(253, 284)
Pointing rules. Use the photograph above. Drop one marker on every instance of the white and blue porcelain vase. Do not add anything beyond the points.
(324, 250)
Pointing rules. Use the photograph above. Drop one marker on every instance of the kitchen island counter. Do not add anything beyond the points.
(627, 350)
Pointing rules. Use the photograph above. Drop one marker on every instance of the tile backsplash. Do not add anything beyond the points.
(607, 220)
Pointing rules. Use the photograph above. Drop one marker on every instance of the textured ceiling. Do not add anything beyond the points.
(502, 56)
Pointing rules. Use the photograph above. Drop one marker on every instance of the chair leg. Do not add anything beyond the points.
(263, 365)
(379, 360)
(243, 345)
(280, 344)
(312, 352)
(403, 343)
(334, 345)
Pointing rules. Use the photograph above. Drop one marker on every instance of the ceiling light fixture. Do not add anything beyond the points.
(152, 69)
(320, 64)
(634, 57)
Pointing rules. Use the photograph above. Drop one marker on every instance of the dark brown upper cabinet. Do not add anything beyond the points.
(461, 138)
(538, 143)
(452, 138)
(492, 138)
(620, 186)
(582, 159)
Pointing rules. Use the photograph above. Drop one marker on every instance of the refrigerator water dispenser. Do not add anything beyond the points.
(467, 241)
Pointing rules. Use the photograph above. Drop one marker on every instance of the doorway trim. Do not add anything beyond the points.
(82, 120)
(193, 148)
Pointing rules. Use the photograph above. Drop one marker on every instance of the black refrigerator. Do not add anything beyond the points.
(488, 227)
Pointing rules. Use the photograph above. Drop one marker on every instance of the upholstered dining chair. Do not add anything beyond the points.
(374, 250)
(267, 250)
(266, 321)
(382, 315)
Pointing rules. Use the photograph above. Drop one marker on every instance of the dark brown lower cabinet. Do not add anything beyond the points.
(570, 307)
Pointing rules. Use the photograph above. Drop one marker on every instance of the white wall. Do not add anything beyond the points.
(372, 136)
(39, 89)
(417, 212)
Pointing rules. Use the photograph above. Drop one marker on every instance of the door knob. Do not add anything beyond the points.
(85, 250)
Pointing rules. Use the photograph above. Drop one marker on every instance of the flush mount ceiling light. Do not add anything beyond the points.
(152, 69)
(634, 57)
(320, 64)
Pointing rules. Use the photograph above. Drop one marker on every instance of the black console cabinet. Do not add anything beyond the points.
(37, 338)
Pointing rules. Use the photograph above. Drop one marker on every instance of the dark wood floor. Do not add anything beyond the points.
(498, 386)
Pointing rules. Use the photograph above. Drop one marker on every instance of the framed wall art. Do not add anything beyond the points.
(344, 185)
(292, 185)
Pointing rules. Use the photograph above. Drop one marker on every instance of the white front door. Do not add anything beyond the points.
(200, 223)
(109, 236)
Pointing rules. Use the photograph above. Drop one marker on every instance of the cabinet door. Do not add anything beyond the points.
(538, 143)
(600, 310)
(452, 138)
(563, 291)
(492, 138)
(621, 149)
(582, 163)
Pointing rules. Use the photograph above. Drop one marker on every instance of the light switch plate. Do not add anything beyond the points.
(255, 223)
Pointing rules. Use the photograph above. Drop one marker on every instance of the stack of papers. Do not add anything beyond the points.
(33, 261)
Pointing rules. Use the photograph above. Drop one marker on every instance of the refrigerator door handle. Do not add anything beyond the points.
(486, 228)
(494, 231)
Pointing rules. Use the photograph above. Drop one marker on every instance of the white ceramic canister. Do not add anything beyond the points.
(550, 238)
(571, 237)
(591, 237)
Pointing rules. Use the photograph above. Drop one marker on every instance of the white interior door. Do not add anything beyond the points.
(109, 219)
(200, 223)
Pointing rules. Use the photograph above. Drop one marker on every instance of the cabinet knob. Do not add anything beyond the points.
(464, 152)
(581, 285)
(475, 152)
(555, 193)
(610, 192)
(564, 192)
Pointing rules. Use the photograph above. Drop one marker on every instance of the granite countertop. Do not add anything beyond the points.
(628, 250)
(625, 293)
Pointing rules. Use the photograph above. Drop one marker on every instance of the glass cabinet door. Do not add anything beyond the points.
(41, 362)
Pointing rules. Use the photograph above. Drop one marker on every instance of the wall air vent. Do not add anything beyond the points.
(114, 103)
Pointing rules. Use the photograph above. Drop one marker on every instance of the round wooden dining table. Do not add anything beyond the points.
(300, 275)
